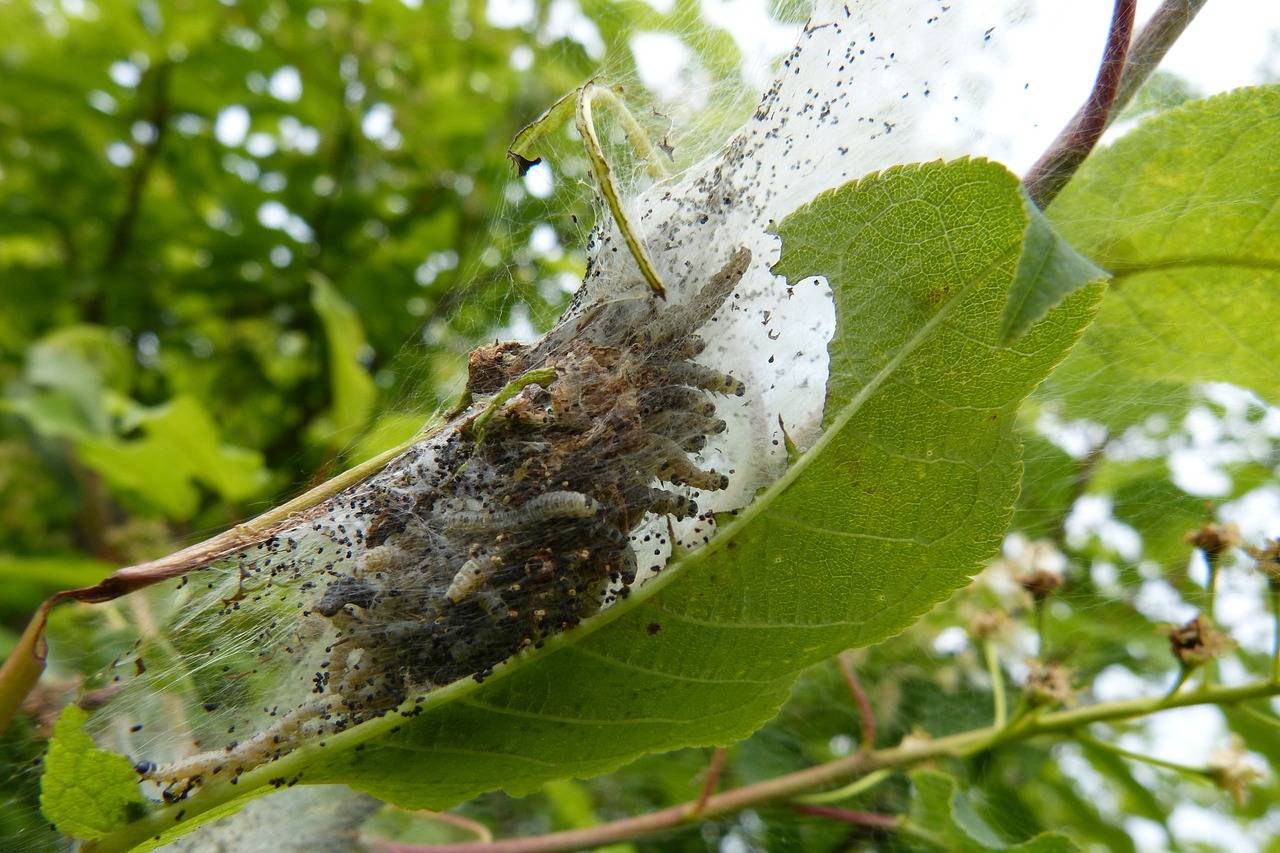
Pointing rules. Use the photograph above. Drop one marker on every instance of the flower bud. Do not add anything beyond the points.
(1041, 583)
(1047, 684)
(1214, 539)
(1230, 772)
(1197, 642)
(1268, 557)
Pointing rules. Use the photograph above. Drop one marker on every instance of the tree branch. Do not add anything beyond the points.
(859, 764)
(158, 117)
(866, 715)
(1055, 167)
(1148, 49)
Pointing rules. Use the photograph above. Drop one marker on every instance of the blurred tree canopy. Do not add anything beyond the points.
(246, 241)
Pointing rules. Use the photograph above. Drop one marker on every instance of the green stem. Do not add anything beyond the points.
(579, 104)
(1266, 719)
(1211, 668)
(997, 682)
(1183, 675)
(1096, 743)
(636, 135)
(1040, 609)
(609, 187)
(1275, 650)
(476, 427)
(848, 792)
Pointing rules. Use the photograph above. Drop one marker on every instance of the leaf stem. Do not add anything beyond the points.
(870, 820)
(1040, 642)
(1265, 719)
(714, 769)
(997, 682)
(858, 765)
(1183, 674)
(1275, 646)
(606, 183)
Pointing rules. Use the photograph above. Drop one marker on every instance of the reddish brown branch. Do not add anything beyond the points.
(856, 765)
(713, 779)
(865, 714)
(1149, 48)
(870, 820)
(1056, 166)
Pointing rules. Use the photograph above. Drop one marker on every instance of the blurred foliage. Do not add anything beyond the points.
(242, 245)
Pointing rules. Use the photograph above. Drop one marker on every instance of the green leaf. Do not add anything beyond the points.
(944, 812)
(52, 572)
(1136, 798)
(181, 447)
(908, 491)
(1048, 271)
(352, 388)
(86, 792)
(1182, 211)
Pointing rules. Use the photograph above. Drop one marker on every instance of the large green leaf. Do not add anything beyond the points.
(909, 489)
(907, 492)
(1183, 212)
(182, 448)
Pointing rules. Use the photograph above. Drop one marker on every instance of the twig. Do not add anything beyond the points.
(1090, 740)
(871, 820)
(1152, 43)
(713, 779)
(997, 683)
(466, 824)
(1056, 166)
(865, 714)
(856, 765)
(848, 792)
(158, 117)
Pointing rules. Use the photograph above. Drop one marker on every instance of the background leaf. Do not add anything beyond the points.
(85, 791)
(1182, 211)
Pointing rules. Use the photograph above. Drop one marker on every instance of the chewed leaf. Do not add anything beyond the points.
(1049, 270)
(555, 581)
(942, 812)
(908, 490)
(86, 792)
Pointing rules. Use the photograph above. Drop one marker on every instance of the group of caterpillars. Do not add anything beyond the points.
(511, 524)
